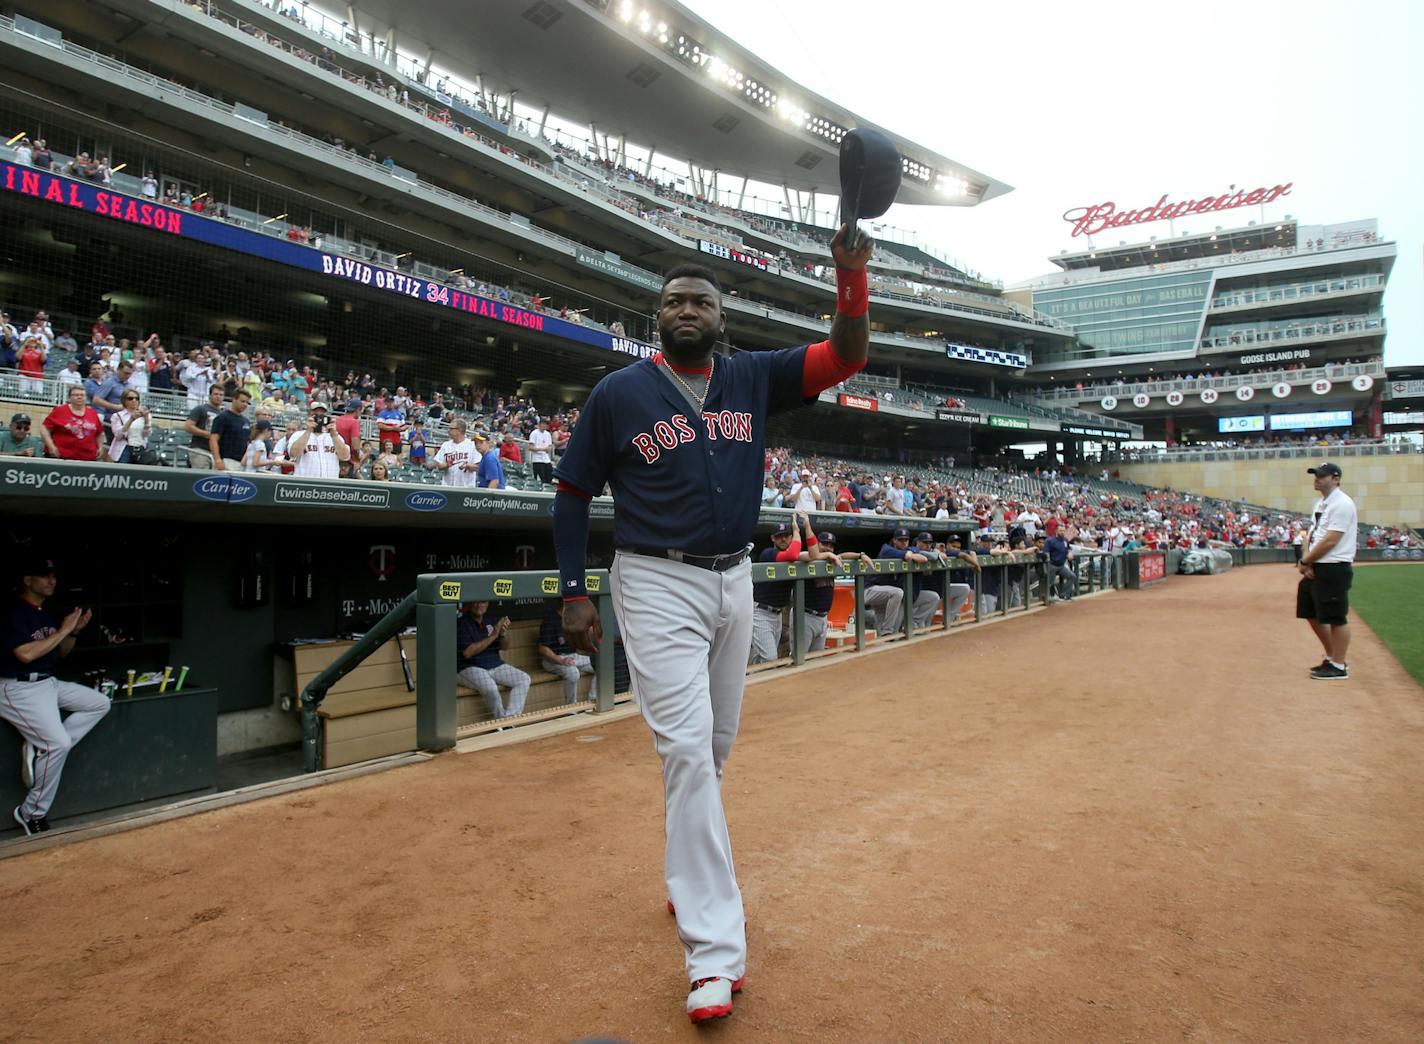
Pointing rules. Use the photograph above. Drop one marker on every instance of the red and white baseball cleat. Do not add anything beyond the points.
(711, 999)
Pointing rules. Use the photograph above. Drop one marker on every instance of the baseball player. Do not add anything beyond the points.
(821, 591)
(32, 698)
(926, 598)
(1327, 570)
(790, 542)
(680, 440)
(885, 592)
(560, 658)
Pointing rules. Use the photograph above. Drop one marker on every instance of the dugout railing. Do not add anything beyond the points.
(1019, 583)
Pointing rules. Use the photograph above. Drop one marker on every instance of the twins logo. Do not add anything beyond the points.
(669, 434)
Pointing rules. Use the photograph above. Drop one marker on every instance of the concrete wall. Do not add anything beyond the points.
(1388, 490)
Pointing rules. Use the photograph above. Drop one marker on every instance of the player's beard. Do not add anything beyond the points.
(686, 349)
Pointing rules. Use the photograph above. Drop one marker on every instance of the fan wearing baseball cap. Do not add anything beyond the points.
(32, 641)
(1326, 571)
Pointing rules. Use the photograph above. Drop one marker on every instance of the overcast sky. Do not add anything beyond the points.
(1082, 103)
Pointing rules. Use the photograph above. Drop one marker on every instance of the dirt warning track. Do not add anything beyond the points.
(1134, 818)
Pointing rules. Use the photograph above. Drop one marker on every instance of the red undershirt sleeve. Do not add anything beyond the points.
(792, 552)
(568, 487)
(823, 368)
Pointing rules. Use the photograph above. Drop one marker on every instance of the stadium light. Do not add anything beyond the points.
(625, 10)
(16, 138)
(279, 217)
(121, 166)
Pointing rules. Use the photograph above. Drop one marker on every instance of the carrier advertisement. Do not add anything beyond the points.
(103, 203)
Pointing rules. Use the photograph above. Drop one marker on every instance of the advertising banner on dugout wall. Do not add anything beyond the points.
(185, 493)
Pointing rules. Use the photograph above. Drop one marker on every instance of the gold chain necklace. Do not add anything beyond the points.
(706, 390)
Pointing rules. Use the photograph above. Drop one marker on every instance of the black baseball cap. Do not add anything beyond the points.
(37, 565)
(900, 534)
(922, 537)
(1324, 469)
(781, 529)
(20, 418)
(827, 538)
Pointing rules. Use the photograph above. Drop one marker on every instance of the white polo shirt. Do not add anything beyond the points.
(1335, 514)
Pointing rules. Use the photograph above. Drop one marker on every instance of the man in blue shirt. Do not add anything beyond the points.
(490, 474)
(927, 597)
(32, 642)
(477, 641)
(1064, 580)
(885, 592)
(108, 397)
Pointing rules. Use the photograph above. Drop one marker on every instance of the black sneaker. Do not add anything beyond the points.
(1327, 671)
(1323, 663)
(30, 826)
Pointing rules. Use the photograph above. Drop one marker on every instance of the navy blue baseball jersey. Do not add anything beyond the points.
(888, 551)
(776, 595)
(679, 480)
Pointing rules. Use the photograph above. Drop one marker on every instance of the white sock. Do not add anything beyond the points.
(1339, 665)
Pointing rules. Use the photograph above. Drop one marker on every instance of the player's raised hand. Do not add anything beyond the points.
(852, 252)
(582, 627)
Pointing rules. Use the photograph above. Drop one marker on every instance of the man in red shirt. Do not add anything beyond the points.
(71, 431)
(348, 426)
(509, 450)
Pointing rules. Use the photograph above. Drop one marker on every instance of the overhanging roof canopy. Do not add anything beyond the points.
(658, 74)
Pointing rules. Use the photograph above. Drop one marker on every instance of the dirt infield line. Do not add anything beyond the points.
(1132, 819)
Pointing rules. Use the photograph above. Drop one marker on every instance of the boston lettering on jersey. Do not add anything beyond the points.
(679, 481)
(673, 432)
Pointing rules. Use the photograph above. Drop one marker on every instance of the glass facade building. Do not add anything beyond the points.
(1136, 315)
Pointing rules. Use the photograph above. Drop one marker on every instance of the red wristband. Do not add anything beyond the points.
(852, 291)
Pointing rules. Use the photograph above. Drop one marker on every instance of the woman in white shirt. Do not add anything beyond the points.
(129, 430)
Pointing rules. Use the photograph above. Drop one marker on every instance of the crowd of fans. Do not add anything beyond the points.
(254, 412)
(1099, 512)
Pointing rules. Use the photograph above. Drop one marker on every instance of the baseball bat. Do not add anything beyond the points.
(163, 685)
(405, 665)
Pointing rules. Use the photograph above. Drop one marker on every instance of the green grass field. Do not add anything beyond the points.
(1390, 598)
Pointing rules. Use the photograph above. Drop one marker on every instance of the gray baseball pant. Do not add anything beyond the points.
(686, 632)
(885, 600)
(570, 675)
(815, 632)
(487, 682)
(766, 635)
(33, 707)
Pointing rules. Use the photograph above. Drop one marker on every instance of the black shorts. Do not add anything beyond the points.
(1326, 599)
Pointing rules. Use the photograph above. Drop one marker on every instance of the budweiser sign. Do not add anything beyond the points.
(1089, 221)
(858, 402)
